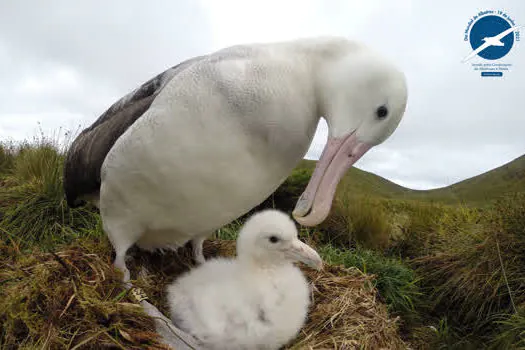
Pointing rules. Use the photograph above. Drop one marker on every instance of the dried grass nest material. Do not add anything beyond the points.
(72, 299)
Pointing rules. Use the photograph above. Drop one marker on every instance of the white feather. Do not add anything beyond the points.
(258, 300)
(228, 129)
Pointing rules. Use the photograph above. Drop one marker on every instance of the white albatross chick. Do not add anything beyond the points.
(258, 300)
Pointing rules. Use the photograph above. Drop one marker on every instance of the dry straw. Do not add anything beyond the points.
(72, 299)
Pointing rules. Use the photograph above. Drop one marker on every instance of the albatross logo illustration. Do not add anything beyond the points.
(491, 41)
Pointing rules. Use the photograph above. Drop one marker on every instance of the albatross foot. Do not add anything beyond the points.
(171, 335)
(120, 264)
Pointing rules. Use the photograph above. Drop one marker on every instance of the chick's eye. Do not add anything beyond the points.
(274, 239)
(382, 112)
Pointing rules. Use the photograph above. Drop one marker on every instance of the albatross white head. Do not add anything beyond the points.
(269, 238)
(363, 98)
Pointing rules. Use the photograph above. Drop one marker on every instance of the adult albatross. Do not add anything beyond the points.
(207, 140)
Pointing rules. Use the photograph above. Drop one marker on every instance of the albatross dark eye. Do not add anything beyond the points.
(382, 112)
(274, 239)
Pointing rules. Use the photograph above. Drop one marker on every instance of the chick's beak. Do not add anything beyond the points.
(302, 252)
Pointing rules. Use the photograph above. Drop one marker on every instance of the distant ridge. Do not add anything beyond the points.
(505, 179)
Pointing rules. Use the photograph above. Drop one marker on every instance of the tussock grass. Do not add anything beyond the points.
(71, 298)
(396, 282)
(360, 220)
(7, 157)
(512, 332)
(441, 335)
(454, 275)
(59, 289)
(419, 231)
(32, 204)
(229, 232)
(475, 276)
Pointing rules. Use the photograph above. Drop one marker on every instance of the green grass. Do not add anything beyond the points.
(464, 243)
(68, 297)
(450, 262)
(7, 157)
(512, 335)
(229, 232)
(477, 260)
(357, 219)
(33, 209)
(395, 281)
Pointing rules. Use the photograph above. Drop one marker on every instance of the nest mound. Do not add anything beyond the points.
(73, 299)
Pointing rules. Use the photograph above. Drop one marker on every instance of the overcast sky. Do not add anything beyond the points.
(63, 63)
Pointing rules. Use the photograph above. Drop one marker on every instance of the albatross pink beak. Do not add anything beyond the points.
(338, 156)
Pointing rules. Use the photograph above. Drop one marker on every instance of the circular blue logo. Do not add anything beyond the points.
(484, 30)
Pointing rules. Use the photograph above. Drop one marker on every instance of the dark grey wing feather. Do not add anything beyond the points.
(87, 152)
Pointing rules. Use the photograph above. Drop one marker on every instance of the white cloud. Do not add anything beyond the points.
(65, 63)
(49, 83)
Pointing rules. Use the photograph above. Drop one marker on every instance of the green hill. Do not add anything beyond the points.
(362, 182)
(509, 178)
